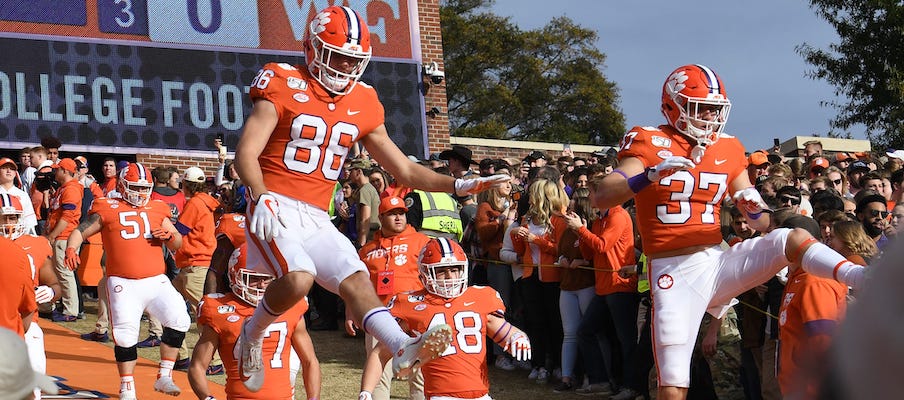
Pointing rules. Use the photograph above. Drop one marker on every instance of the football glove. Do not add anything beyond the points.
(365, 395)
(265, 222)
(518, 346)
(750, 202)
(669, 166)
(43, 294)
(72, 259)
(162, 234)
(465, 187)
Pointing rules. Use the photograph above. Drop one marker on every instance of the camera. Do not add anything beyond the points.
(433, 72)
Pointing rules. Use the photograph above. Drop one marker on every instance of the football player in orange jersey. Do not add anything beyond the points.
(474, 313)
(679, 174)
(46, 286)
(303, 122)
(134, 229)
(220, 318)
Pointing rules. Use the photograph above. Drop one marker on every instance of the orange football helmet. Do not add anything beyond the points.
(337, 36)
(690, 93)
(10, 205)
(135, 184)
(248, 285)
(441, 253)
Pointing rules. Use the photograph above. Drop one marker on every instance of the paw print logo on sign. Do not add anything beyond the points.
(318, 24)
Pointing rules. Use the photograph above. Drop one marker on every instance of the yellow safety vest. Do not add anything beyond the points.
(643, 281)
(440, 215)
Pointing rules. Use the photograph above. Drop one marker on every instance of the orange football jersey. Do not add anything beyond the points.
(38, 249)
(305, 153)
(462, 370)
(18, 294)
(131, 250)
(812, 309)
(225, 315)
(232, 226)
(66, 205)
(682, 209)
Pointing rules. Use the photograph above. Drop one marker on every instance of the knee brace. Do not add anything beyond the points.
(172, 337)
(125, 354)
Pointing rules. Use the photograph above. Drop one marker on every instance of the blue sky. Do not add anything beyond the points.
(750, 44)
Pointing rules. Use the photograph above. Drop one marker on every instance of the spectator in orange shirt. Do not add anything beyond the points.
(391, 258)
(609, 242)
(811, 310)
(65, 212)
(196, 224)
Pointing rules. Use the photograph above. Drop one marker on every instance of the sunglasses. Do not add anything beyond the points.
(837, 181)
(790, 199)
(877, 213)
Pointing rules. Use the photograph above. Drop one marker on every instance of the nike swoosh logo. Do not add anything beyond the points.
(26, 247)
(269, 207)
(350, 112)
(469, 303)
(720, 162)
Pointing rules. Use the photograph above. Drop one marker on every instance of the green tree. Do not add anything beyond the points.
(866, 67)
(544, 85)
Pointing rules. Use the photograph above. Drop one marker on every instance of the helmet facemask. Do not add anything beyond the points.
(137, 194)
(705, 131)
(249, 285)
(11, 230)
(445, 287)
(332, 79)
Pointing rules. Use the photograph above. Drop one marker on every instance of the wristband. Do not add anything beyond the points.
(639, 181)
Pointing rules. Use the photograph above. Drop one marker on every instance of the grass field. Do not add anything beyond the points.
(341, 358)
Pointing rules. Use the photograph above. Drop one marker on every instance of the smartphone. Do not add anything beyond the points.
(775, 142)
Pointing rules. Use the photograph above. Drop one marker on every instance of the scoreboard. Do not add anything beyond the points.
(122, 75)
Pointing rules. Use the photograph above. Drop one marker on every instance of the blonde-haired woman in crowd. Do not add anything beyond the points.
(850, 240)
(536, 241)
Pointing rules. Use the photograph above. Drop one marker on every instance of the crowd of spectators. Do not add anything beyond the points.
(571, 276)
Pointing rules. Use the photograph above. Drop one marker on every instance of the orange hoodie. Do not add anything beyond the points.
(610, 243)
(197, 227)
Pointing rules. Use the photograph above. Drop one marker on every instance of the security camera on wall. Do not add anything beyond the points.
(433, 72)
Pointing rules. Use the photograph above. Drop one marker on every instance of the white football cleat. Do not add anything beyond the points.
(127, 395)
(419, 350)
(166, 385)
(251, 361)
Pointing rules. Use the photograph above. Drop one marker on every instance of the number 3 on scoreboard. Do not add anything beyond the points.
(211, 22)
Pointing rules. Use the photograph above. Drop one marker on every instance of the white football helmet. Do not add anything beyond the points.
(135, 184)
(688, 92)
(439, 253)
(337, 32)
(248, 285)
(10, 205)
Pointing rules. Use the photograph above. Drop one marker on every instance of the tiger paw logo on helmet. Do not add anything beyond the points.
(319, 23)
(676, 82)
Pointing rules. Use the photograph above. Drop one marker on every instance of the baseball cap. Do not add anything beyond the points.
(858, 165)
(758, 158)
(82, 160)
(7, 160)
(121, 164)
(194, 174)
(361, 163)
(67, 164)
(819, 162)
(17, 378)
(899, 154)
(536, 155)
(392, 203)
(45, 164)
(844, 157)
